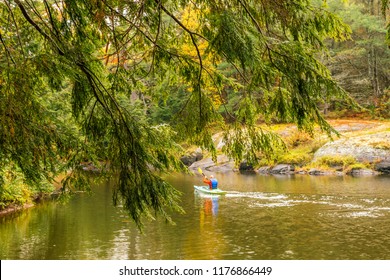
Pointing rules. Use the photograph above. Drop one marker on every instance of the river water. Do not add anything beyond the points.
(261, 217)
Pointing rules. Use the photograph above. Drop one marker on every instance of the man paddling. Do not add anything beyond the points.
(212, 182)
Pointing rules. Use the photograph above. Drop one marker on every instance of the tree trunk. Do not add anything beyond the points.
(373, 74)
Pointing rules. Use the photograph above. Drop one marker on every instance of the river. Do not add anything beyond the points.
(261, 217)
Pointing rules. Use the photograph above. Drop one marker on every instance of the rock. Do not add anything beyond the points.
(244, 166)
(362, 172)
(315, 171)
(197, 155)
(222, 167)
(191, 158)
(187, 160)
(89, 166)
(366, 148)
(264, 170)
(369, 148)
(219, 140)
(282, 169)
(383, 167)
(223, 164)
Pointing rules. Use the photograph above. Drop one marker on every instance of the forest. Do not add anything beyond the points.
(125, 85)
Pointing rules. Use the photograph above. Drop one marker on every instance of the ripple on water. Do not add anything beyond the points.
(273, 205)
(257, 195)
(336, 206)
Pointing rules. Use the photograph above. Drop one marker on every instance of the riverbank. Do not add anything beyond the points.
(14, 208)
(32, 201)
(20, 197)
(363, 148)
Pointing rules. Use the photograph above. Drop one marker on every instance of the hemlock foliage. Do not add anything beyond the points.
(80, 81)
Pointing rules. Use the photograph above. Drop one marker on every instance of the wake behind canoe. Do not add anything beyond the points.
(206, 189)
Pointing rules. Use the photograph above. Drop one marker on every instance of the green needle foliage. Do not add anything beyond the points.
(78, 79)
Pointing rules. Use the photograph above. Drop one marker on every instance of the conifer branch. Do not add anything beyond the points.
(16, 27)
(35, 25)
(9, 56)
(194, 43)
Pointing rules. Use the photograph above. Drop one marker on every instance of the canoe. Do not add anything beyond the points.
(206, 189)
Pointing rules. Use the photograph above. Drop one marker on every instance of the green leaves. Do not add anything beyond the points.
(231, 38)
(252, 143)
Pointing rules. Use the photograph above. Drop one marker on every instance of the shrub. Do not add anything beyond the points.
(296, 157)
(356, 166)
(298, 138)
(384, 145)
(14, 192)
(333, 161)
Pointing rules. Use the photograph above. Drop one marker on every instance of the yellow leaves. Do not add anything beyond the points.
(5, 33)
(191, 18)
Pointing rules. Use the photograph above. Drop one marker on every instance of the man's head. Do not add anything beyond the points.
(211, 176)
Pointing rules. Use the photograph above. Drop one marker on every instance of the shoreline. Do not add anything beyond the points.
(367, 141)
(287, 169)
(37, 199)
(13, 208)
(363, 148)
(263, 171)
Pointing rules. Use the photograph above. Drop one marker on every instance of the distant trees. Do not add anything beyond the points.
(362, 65)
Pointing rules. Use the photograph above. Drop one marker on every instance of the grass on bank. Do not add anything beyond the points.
(15, 192)
(300, 153)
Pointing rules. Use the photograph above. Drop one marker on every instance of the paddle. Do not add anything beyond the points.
(201, 172)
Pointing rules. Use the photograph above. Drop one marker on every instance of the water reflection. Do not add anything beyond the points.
(261, 217)
(210, 204)
(210, 242)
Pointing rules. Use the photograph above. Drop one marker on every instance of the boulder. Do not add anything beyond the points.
(362, 172)
(191, 158)
(264, 170)
(244, 166)
(383, 167)
(315, 171)
(222, 167)
(283, 169)
(223, 164)
(367, 148)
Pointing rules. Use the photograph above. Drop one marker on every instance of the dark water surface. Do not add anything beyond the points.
(261, 217)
